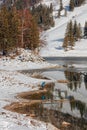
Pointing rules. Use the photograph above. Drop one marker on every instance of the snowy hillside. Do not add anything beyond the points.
(12, 81)
(54, 36)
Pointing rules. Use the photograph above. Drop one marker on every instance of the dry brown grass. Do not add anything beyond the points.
(39, 76)
(24, 107)
(34, 95)
(32, 103)
(13, 56)
(62, 81)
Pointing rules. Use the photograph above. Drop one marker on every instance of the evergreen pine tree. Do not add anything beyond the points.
(71, 5)
(20, 4)
(65, 14)
(61, 5)
(51, 8)
(13, 22)
(79, 33)
(43, 16)
(69, 38)
(66, 39)
(58, 13)
(65, 42)
(70, 34)
(75, 31)
(31, 36)
(8, 29)
(4, 28)
(85, 30)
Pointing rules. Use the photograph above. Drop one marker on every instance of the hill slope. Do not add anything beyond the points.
(54, 36)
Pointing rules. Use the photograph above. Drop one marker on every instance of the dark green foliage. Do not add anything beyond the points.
(58, 13)
(8, 29)
(65, 14)
(33, 2)
(16, 33)
(51, 8)
(79, 32)
(20, 4)
(75, 3)
(71, 5)
(13, 28)
(78, 2)
(65, 43)
(85, 30)
(73, 33)
(43, 16)
(61, 5)
(70, 34)
(31, 36)
(66, 39)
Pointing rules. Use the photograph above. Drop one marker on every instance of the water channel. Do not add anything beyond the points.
(68, 95)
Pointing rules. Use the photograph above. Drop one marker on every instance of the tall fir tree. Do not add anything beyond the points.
(61, 5)
(13, 22)
(59, 13)
(85, 30)
(43, 16)
(4, 28)
(65, 42)
(70, 34)
(51, 8)
(71, 5)
(79, 33)
(8, 30)
(75, 30)
(31, 36)
(65, 13)
(66, 39)
(69, 38)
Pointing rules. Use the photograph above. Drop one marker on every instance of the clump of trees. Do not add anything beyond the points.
(73, 33)
(8, 29)
(43, 16)
(17, 29)
(75, 3)
(29, 32)
(60, 9)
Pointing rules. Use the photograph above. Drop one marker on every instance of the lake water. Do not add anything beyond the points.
(67, 99)
(73, 93)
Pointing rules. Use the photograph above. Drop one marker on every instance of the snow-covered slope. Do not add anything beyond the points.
(54, 36)
(13, 82)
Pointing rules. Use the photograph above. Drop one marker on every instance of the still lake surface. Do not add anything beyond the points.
(75, 91)
(67, 99)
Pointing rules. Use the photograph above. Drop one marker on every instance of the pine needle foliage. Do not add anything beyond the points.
(43, 16)
(8, 29)
(73, 33)
(85, 30)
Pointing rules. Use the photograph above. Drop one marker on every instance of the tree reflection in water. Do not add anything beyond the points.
(76, 104)
(74, 79)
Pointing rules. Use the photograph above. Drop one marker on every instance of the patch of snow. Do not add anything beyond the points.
(55, 35)
(12, 81)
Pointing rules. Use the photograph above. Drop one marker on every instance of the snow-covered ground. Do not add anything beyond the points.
(13, 82)
(54, 36)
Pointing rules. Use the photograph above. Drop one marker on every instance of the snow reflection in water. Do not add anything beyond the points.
(75, 93)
